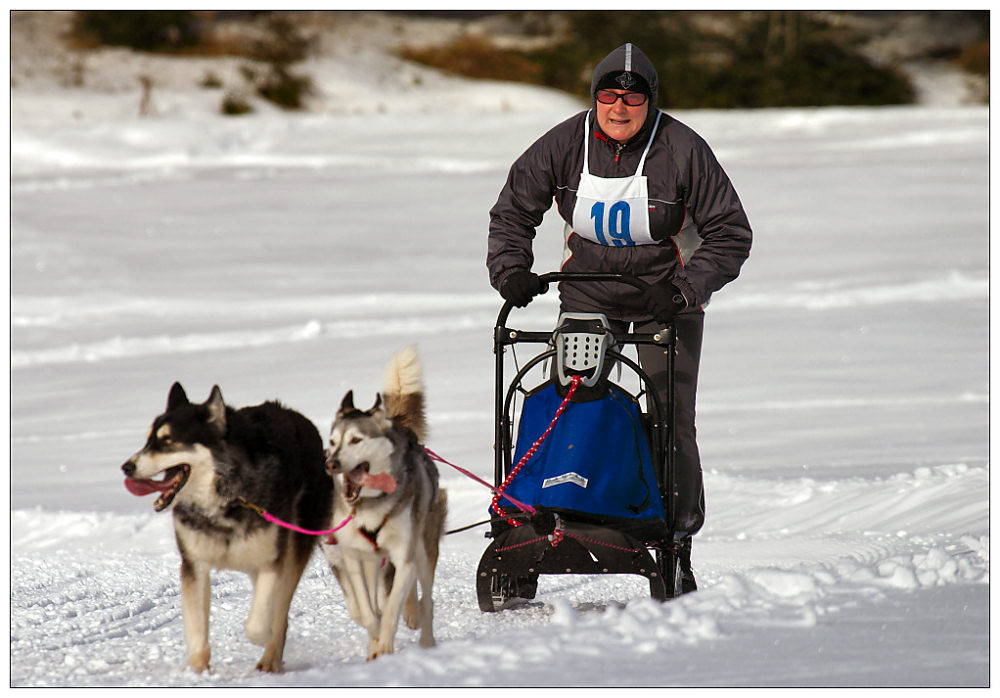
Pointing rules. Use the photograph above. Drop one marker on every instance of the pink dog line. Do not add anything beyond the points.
(527, 508)
(292, 527)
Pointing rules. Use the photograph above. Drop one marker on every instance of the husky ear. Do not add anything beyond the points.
(347, 404)
(377, 407)
(177, 397)
(216, 410)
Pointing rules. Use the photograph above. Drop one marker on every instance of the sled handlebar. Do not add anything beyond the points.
(505, 335)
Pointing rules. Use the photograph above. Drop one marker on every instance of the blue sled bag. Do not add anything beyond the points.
(596, 460)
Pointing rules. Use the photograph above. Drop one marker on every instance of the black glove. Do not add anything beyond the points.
(664, 302)
(521, 286)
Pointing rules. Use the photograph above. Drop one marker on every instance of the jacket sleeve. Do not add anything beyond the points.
(721, 223)
(514, 219)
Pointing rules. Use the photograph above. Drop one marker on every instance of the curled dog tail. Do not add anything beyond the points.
(403, 391)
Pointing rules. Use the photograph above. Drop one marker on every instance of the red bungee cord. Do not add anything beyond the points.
(575, 382)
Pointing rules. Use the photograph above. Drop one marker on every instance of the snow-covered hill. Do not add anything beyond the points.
(843, 414)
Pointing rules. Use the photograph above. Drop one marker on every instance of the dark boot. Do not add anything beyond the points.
(688, 583)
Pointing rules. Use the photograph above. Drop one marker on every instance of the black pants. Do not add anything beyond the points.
(690, 503)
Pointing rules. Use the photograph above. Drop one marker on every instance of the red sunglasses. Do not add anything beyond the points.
(631, 99)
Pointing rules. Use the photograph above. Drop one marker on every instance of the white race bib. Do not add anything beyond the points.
(613, 211)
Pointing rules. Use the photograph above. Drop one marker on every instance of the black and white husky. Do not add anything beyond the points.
(208, 462)
(388, 486)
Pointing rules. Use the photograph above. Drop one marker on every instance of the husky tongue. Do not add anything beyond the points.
(383, 481)
(140, 488)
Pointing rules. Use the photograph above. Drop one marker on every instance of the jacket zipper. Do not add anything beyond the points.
(618, 147)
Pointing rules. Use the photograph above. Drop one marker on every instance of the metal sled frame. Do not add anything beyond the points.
(519, 553)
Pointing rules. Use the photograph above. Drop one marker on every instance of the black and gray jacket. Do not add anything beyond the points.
(688, 190)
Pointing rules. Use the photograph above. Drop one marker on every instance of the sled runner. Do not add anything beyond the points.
(587, 481)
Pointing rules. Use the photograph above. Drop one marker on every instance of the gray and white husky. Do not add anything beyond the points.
(208, 461)
(387, 484)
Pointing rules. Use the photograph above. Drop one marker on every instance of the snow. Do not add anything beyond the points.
(843, 411)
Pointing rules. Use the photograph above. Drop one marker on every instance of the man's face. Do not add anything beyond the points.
(618, 120)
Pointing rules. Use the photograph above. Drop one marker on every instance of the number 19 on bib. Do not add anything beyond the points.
(612, 221)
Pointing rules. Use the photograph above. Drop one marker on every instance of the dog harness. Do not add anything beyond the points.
(369, 535)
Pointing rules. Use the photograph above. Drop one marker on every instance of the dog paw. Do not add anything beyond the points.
(198, 661)
(269, 666)
(427, 640)
(377, 649)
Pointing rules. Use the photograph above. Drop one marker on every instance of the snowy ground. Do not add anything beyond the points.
(843, 414)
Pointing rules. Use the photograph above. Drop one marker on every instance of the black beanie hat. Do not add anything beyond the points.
(624, 81)
(627, 58)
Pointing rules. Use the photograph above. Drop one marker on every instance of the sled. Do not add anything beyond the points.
(598, 484)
